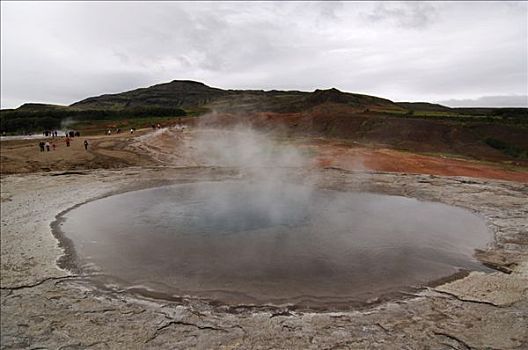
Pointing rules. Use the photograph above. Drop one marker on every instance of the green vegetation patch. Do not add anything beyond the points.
(98, 127)
(23, 121)
(506, 148)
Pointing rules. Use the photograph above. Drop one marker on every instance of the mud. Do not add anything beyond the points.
(44, 306)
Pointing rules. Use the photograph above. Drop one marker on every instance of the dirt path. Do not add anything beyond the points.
(23, 156)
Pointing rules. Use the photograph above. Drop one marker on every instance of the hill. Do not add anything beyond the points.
(38, 107)
(423, 106)
(176, 94)
(479, 133)
(188, 94)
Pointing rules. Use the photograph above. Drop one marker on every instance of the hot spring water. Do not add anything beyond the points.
(244, 242)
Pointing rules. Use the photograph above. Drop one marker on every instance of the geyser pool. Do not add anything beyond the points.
(264, 243)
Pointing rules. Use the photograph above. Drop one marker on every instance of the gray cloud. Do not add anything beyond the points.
(60, 52)
(405, 14)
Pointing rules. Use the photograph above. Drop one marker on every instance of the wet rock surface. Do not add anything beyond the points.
(46, 307)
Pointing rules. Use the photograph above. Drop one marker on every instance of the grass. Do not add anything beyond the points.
(506, 148)
(454, 116)
(196, 112)
(95, 127)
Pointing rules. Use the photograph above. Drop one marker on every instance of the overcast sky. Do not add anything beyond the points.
(473, 53)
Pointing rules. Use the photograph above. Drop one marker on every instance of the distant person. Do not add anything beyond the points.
(153, 126)
(67, 141)
(41, 145)
(159, 126)
(77, 134)
(86, 145)
(118, 131)
(53, 146)
(132, 130)
(47, 144)
(109, 132)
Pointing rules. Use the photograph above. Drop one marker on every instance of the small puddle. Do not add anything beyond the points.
(244, 242)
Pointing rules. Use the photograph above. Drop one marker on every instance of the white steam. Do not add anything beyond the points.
(67, 122)
(271, 192)
(244, 147)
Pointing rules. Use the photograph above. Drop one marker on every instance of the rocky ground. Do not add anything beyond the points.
(46, 307)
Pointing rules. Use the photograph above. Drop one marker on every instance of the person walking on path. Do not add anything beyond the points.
(67, 142)
(53, 145)
(47, 146)
(86, 145)
(41, 145)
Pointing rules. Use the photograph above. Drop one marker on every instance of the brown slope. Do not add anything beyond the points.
(341, 121)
